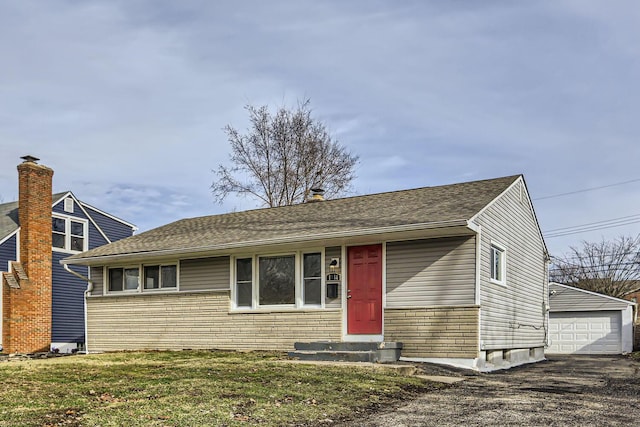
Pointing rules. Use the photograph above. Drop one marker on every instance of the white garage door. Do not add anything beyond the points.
(589, 332)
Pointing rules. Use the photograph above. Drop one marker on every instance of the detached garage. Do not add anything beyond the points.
(584, 322)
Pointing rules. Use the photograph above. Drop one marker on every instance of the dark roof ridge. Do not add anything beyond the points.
(382, 193)
(53, 195)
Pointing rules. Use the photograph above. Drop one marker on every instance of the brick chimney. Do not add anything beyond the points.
(27, 290)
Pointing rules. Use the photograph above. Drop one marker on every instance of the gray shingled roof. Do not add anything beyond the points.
(9, 216)
(351, 216)
(8, 219)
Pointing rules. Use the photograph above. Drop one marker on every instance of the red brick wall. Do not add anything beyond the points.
(27, 310)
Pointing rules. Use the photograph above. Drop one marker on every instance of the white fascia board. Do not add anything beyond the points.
(10, 235)
(115, 218)
(573, 288)
(61, 198)
(519, 180)
(70, 194)
(201, 250)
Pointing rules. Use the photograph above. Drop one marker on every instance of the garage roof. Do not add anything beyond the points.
(568, 298)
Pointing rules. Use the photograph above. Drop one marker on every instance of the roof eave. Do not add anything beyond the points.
(454, 227)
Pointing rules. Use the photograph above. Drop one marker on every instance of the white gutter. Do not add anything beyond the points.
(274, 241)
(86, 293)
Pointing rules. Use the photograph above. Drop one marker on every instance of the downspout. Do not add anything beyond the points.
(86, 293)
(546, 304)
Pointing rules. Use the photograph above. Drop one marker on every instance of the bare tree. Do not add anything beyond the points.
(282, 157)
(608, 267)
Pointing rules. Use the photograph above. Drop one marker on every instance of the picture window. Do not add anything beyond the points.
(278, 280)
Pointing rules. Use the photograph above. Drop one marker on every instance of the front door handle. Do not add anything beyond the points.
(348, 296)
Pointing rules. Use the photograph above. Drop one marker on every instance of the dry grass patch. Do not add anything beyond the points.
(188, 388)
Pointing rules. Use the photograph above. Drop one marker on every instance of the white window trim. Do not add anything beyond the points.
(140, 289)
(503, 265)
(299, 282)
(67, 234)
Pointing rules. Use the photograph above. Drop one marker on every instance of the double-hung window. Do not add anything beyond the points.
(283, 280)
(312, 279)
(244, 282)
(69, 234)
(498, 264)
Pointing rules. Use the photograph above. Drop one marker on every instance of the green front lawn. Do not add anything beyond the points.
(189, 388)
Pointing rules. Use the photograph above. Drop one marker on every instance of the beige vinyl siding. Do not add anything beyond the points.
(437, 272)
(205, 274)
(200, 321)
(512, 315)
(434, 332)
(333, 252)
(97, 278)
(567, 299)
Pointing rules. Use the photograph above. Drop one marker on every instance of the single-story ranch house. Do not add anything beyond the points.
(457, 273)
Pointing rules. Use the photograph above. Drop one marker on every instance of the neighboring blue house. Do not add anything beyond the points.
(76, 227)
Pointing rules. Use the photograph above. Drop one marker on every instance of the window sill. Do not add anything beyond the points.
(158, 292)
(66, 251)
(498, 282)
(280, 310)
(136, 292)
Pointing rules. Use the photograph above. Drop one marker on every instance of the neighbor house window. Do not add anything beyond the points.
(278, 280)
(160, 276)
(498, 263)
(69, 234)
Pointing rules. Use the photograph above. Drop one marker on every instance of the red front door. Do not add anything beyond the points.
(364, 290)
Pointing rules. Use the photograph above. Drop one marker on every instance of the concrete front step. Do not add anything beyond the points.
(382, 352)
(335, 356)
(336, 346)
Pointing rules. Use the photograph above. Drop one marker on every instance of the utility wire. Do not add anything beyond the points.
(604, 255)
(588, 265)
(603, 222)
(592, 228)
(587, 189)
(596, 225)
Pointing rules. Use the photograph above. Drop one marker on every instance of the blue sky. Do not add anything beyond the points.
(126, 100)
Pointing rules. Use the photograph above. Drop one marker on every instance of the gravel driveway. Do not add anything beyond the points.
(562, 391)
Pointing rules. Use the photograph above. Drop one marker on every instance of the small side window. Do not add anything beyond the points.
(498, 264)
